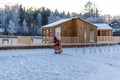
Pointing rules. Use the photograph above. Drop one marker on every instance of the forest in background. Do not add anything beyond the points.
(23, 21)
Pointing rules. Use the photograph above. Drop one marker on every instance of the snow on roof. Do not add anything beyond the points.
(103, 26)
(62, 21)
(1, 30)
(57, 22)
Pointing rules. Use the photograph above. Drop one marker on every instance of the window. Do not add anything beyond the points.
(105, 33)
(65, 30)
(51, 33)
(99, 33)
(50, 30)
(44, 33)
(47, 32)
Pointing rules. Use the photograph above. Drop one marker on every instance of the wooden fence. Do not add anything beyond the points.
(20, 41)
(41, 41)
(70, 40)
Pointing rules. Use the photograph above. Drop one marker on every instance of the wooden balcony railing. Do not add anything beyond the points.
(108, 39)
(49, 40)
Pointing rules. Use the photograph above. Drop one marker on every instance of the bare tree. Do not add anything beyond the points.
(90, 9)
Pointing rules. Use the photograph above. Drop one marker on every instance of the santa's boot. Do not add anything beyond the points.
(55, 52)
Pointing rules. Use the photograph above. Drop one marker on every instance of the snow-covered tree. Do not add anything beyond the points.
(96, 20)
(11, 27)
(115, 24)
(50, 18)
(54, 17)
(3, 18)
(39, 23)
(20, 31)
(39, 20)
(25, 27)
(15, 16)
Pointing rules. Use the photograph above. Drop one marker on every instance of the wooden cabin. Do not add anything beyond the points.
(72, 30)
(103, 29)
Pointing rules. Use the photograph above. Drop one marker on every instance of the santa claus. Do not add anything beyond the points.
(57, 43)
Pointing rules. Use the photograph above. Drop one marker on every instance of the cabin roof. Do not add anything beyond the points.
(102, 26)
(57, 22)
(62, 21)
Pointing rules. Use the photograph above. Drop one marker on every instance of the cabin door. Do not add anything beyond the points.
(91, 36)
(58, 30)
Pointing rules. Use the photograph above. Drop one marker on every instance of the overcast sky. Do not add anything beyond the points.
(105, 6)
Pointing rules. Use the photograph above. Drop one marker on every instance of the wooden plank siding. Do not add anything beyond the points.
(75, 29)
(24, 40)
(80, 24)
(66, 29)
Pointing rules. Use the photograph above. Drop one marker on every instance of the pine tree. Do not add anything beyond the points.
(15, 16)
(45, 15)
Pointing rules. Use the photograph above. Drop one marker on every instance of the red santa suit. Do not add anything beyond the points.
(56, 42)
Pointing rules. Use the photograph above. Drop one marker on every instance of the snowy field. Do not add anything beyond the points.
(93, 63)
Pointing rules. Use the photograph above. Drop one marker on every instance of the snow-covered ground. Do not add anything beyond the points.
(93, 63)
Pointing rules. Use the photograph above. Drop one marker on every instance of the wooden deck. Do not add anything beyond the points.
(63, 45)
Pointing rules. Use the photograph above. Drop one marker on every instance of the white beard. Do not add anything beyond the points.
(58, 37)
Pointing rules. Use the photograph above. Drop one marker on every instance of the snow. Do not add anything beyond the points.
(90, 63)
(1, 30)
(103, 26)
(57, 22)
